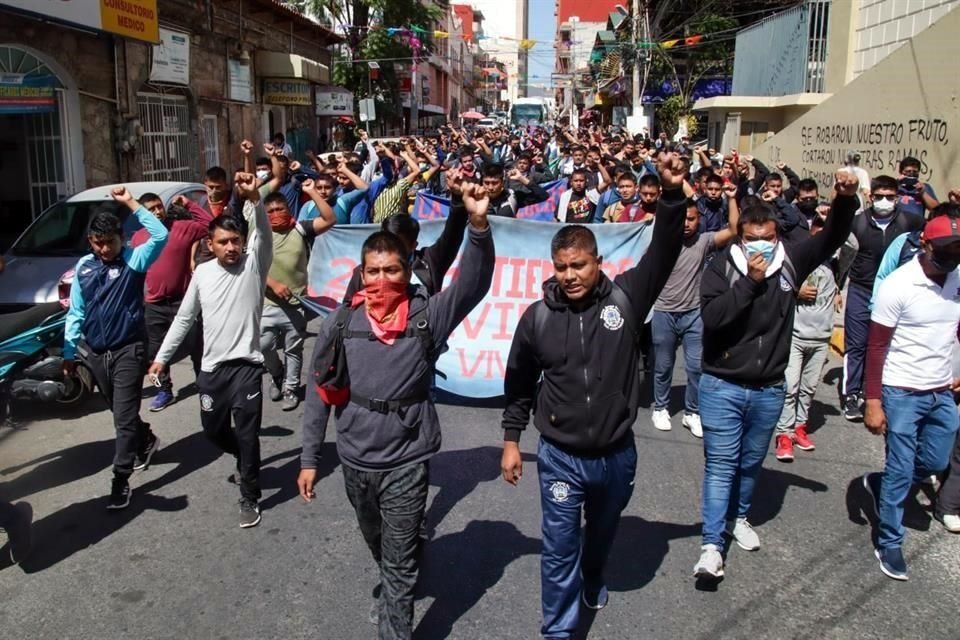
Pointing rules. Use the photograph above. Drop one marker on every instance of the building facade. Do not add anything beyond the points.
(82, 106)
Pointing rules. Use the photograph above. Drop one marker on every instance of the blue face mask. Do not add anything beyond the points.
(763, 247)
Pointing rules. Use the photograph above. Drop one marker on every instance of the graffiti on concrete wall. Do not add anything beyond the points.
(881, 145)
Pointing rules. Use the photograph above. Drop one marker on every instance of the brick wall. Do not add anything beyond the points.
(88, 59)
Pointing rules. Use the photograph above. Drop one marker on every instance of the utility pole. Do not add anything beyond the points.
(636, 58)
(573, 115)
(414, 98)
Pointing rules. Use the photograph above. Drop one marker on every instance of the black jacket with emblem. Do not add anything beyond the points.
(748, 325)
(588, 353)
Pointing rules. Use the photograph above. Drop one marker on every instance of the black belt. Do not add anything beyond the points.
(386, 406)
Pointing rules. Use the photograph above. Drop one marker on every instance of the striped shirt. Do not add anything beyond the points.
(392, 201)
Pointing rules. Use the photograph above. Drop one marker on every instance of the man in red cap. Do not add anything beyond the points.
(909, 379)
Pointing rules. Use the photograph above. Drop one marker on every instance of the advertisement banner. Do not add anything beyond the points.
(27, 93)
(171, 58)
(287, 92)
(135, 19)
(334, 102)
(476, 360)
(430, 207)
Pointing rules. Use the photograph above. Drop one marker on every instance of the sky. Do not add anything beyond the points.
(542, 27)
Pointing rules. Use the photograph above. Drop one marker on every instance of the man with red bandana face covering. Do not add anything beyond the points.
(387, 426)
(283, 323)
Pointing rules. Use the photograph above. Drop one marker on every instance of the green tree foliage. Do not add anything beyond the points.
(356, 17)
(684, 66)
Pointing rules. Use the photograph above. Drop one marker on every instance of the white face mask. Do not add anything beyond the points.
(263, 175)
(884, 207)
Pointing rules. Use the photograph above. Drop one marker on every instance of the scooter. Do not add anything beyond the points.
(31, 359)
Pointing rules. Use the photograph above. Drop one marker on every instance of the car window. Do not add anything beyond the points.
(61, 230)
(199, 197)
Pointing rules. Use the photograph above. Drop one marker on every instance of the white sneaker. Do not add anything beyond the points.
(692, 421)
(951, 522)
(661, 420)
(710, 564)
(743, 534)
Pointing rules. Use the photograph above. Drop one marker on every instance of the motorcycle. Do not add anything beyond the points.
(31, 359)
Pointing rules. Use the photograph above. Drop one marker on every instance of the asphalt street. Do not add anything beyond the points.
(176, 565)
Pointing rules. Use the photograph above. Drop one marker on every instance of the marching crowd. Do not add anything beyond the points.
(745, 270)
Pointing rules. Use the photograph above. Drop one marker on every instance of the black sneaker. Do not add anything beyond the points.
(142, 461)
(871, 482)
(892, 563)
(853, 408)
(119, 494)
(249, 513)
(16, 537)
(594, 597)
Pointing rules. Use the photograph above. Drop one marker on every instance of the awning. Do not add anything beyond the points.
(289, 65)
(432, 108)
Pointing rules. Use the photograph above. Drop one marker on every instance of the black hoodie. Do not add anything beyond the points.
(748, 326)
(587, 353)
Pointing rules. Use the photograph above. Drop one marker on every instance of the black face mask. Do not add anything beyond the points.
(943, 262)
(649, 207)
(807, 208)
(713, 203)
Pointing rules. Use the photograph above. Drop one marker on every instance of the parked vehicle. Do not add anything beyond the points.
(54, 242)
(31, 359)
(486, 123)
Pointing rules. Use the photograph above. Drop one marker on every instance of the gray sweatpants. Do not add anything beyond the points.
(283, 327)
(804, 370)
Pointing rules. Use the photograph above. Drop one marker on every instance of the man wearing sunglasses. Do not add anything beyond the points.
(873, 231)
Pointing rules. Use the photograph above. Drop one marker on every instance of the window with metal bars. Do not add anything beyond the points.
(169, 149)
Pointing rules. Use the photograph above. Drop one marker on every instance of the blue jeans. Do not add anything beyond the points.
(921, 426)
(669, 328)
(572, 487)
(738, 423)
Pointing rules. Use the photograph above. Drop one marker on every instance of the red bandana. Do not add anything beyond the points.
(387, 307)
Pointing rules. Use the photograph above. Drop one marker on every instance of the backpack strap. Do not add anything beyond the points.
(620, 298)
(541, 314)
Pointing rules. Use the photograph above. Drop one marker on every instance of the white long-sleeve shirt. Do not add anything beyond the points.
(231, 299)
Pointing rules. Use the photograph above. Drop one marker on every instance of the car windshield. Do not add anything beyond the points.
(61, 230)
(527, 114)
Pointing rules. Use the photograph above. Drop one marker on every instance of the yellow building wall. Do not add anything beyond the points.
(908, 105)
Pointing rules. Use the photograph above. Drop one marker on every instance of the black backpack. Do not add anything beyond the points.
(332, 374)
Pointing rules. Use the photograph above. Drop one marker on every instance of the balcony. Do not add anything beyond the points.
(798, 39)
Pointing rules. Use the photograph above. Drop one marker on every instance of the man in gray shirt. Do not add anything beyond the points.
(387, 425)
(676, 316)
(229, 293)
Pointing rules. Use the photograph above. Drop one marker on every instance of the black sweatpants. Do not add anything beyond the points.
(159, 316)
(233, 391)
(389, 507)
(948, 500)
(119, 376)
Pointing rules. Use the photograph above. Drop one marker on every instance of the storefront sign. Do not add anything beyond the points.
(287, 92)
(24, 94)
(135, 19)
(334, 102)
(240, 87)
(171, 58)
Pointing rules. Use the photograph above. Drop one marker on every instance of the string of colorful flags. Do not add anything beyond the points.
(416, 34)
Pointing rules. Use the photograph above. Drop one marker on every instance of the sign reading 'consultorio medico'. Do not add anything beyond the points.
(135, 19)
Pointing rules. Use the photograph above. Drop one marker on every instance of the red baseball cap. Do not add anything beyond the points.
(940, 228)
